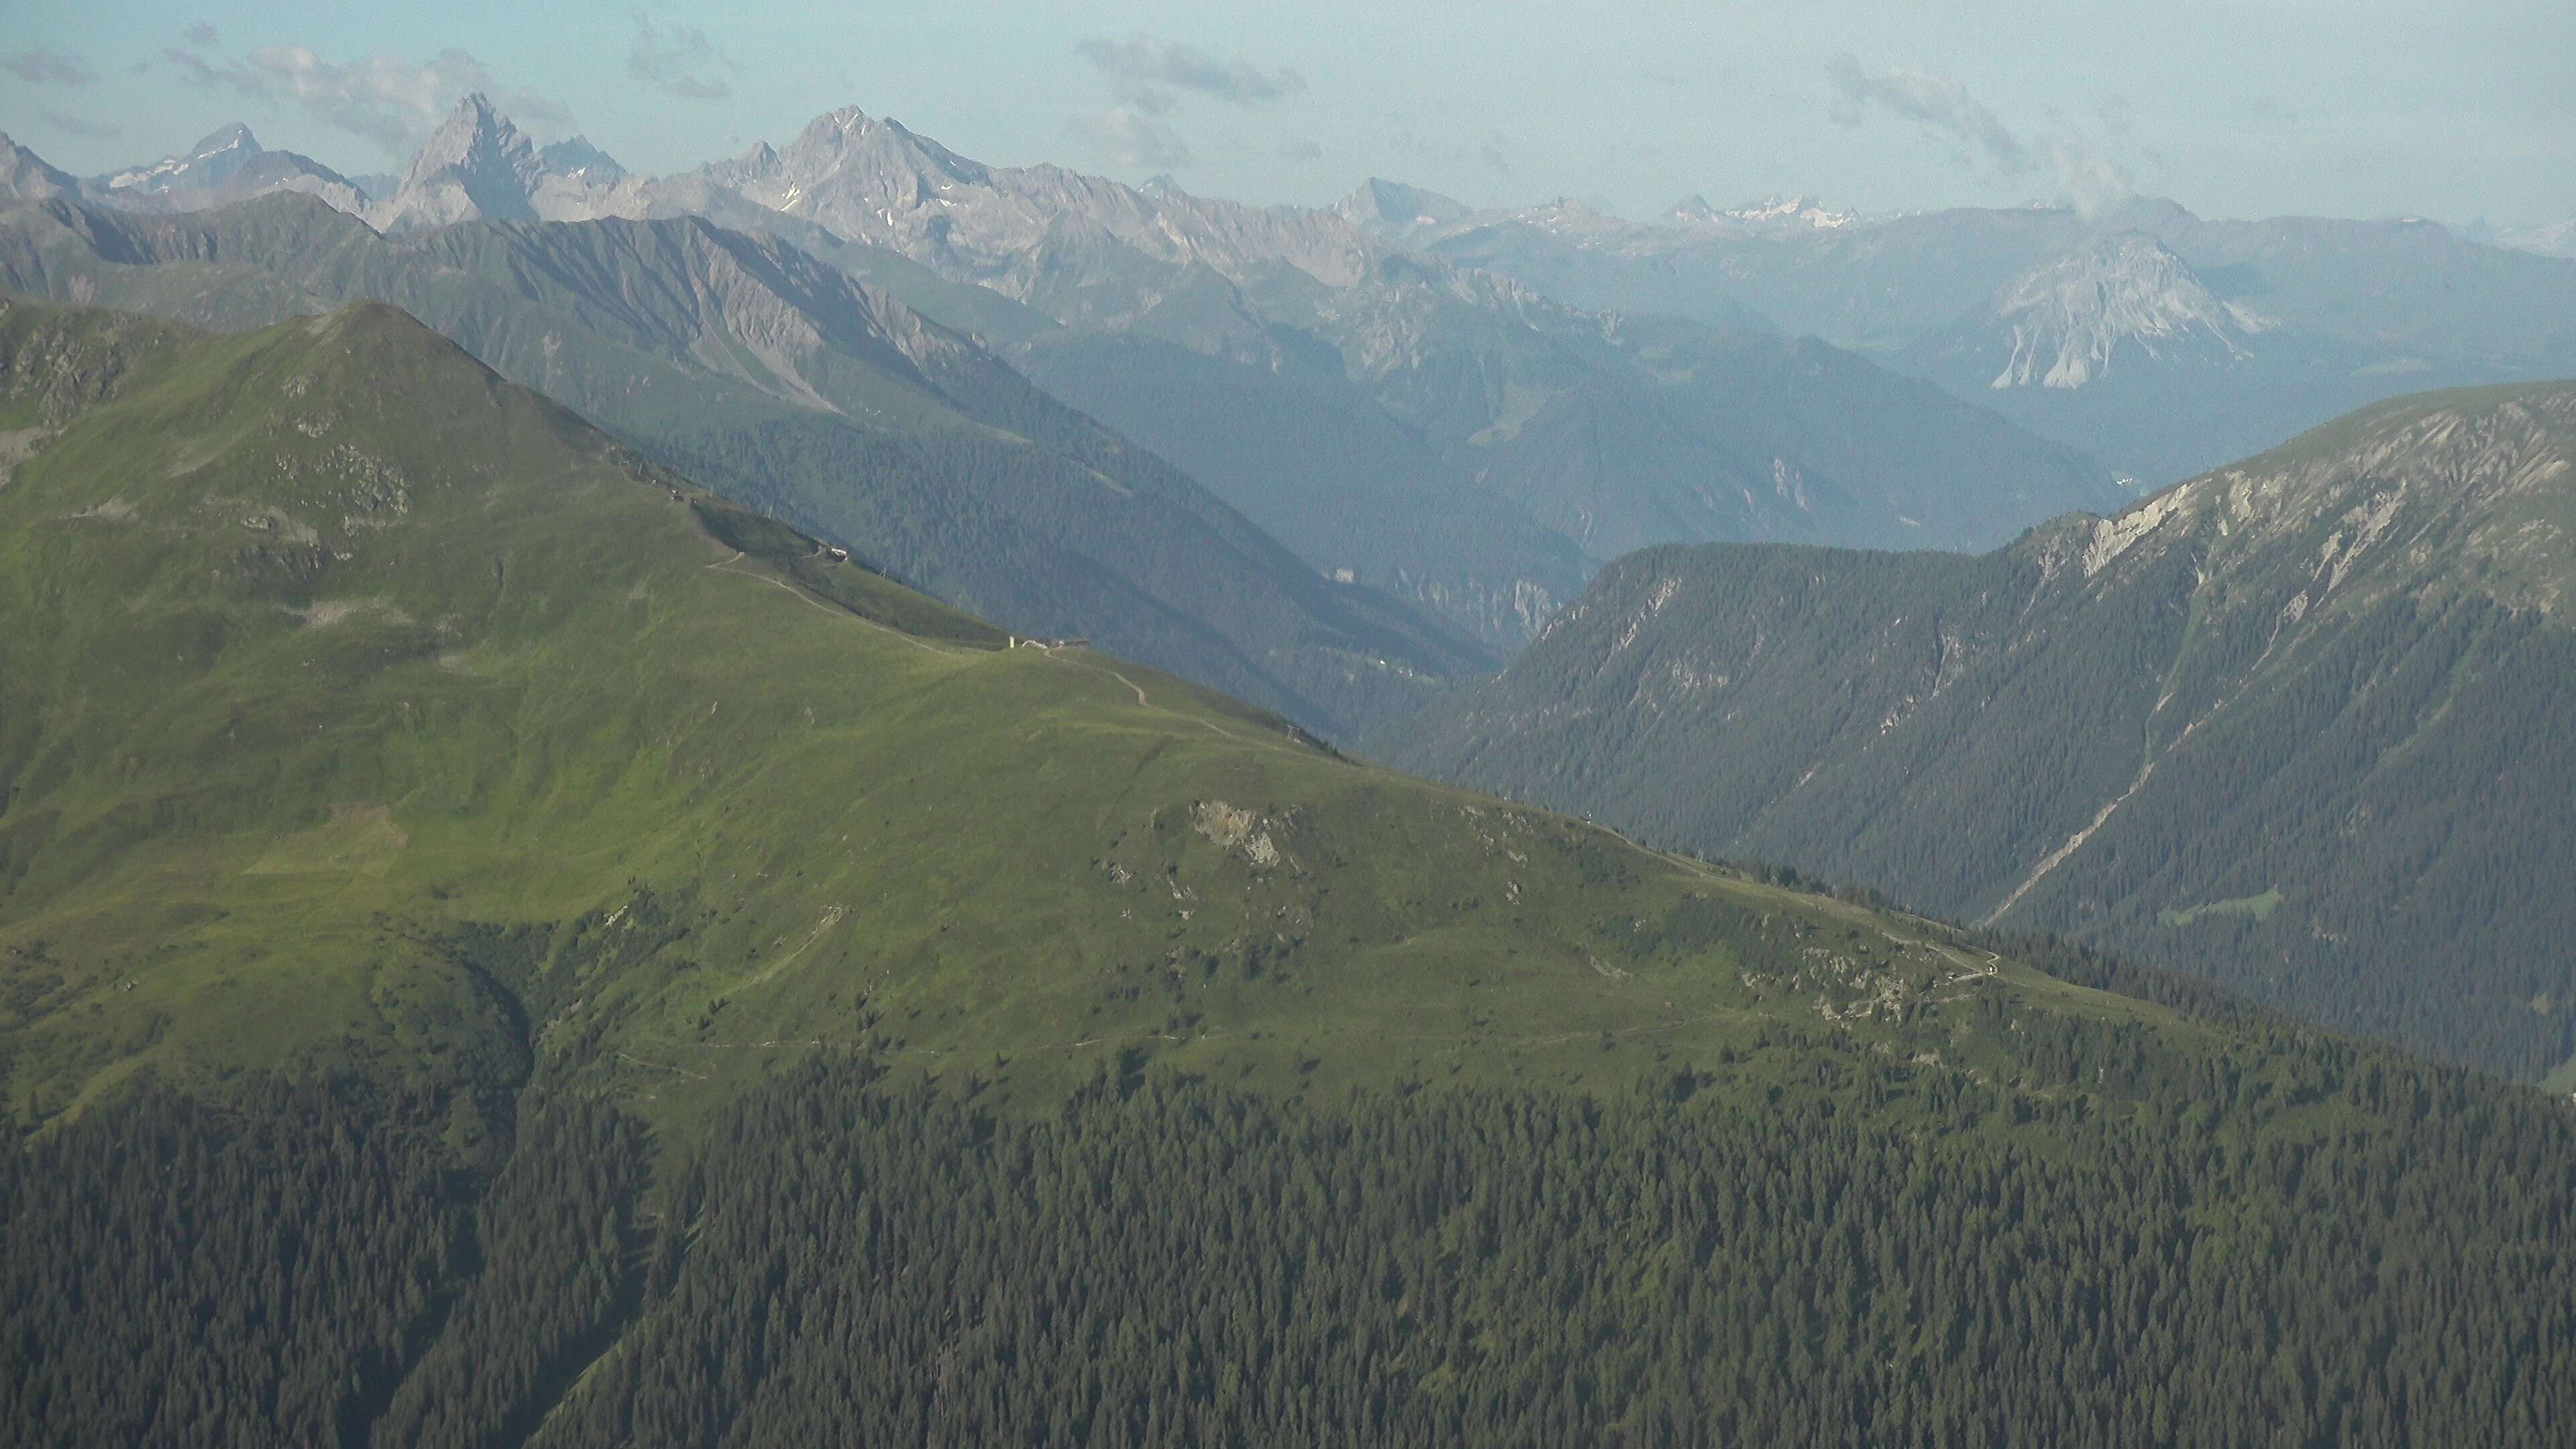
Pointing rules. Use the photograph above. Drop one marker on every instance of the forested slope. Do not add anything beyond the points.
(2301, 724)
(2300, 1245)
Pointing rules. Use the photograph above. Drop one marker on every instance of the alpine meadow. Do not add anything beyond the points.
(1161, 791)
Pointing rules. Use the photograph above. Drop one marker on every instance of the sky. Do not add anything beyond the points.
(2360, 108)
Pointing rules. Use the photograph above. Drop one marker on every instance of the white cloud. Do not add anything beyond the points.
(86, 130)
(680, 59)
(1143, 64)
(1149, 79)
(49, 67)
(2086, 175)
(1130, 137)
(1936, 102)
(394, 103)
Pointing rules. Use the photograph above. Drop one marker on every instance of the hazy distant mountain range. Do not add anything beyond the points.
(1439, 433)
(2159, 342)
(2348, 311)
(1408, 395)
(2554, 239)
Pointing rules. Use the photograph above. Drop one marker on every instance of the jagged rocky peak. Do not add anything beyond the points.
(1770, 213)
(476, 166)
(474, 131)
(205, 164)
(1571, 214)
(853, 172)
(1391, 207)
(850, 131)
(578, 158)
(481, 167)
(2429, 494)
(228, 166)
(24, 175)
(2069, 319)
(235, 137)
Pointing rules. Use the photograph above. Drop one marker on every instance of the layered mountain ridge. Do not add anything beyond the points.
(2298, 319)
(226, 167)
(810, 394)
(1486, 446)
(2299, 724)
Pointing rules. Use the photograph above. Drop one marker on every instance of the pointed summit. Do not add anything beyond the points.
(1392, 209)
(578, 158)
(2070, 320)
(228, 165)
(202, 167)
(864, 177)
(476, 167)
(24, 176)
(235, 137)
(480, 167)
(1693, 210)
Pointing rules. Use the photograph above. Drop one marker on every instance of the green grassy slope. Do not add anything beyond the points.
(769, 376)
(360, 712)
(2333, 679)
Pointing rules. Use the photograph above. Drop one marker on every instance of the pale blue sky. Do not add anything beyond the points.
(2355, 108)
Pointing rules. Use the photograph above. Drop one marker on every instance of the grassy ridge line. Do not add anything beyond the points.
(365, 715)
(863, 424)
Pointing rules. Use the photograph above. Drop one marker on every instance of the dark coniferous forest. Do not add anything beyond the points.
(2365, 1251)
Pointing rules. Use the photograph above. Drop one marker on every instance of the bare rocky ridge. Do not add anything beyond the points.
(1613, 432)
(871, 179)
(480, 167)
(227, 166)
(2468, 494)
(1608, 434)
(24, 176)
(2071, 319)
(1770, 214)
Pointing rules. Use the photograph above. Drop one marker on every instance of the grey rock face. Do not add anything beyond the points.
(227, 166)
(2070, 319)
(24, 176)
(480, 167)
